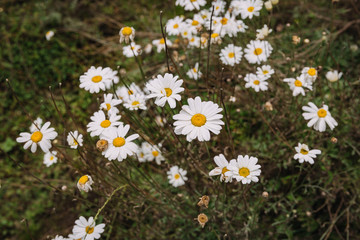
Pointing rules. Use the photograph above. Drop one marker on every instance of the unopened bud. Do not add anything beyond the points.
(265, 194)
(334, 140)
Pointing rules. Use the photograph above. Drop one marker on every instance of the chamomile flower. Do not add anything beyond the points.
(194, 73)
(198, 119)
(250, 8)
(333, 76)
(318, 117)
(160, 121)
(190, 5)
(193, 25)
(257, 51)
(125, 92)
(310, 74)
(49, 35)
(114, 77)
(235, 5)
(100, 125)
(153, 153)
(165, 89)
(96, 79)
(135, 102)
(177, 176)
(215, 38)
(40, 137)
(263, 32)
(194, 41)
(160, 44)
(75, 139)
(50, 158)
(257, 82)
(205, 14)
(265, 71)
(173, 26)
(231, 55)
(244, 169)
(84, 183)
(87, 229)
(219, 7)
(57, 237)
(120, 146)
(110, 104)
(241, 26)
(145, 146)
(126, 34)
(303, 154)
(36, 125)
(180, 3)
(221, 168)
(132, 50)
(186, 32)
(226, 25)
(297, 85)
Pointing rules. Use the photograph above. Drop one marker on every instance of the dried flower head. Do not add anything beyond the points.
(268, 106)
(204, 201)
(202, 219)
(296, 39)
(102, 145)
(265, 194)
(334, 140)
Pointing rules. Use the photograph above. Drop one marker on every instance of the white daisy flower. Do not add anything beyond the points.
(101, 125)
(241, 26)
(50, 158)
(235, 5)
(303, 154)
(221, 168)
(110, 104)
(142, 150)
(160, 44)
(205, 14)
(40, 137)
(231, 55)
(244, 169)
(124, 92)
(297, 85)
(96, 78)
(75, 139)
(36, 125)
(120, 146)
(268, 5)
(257, 82)
(153, 153)
(194, 41)
(165, 89)
(333, 76)
(215, 38)
(310, 74)
(219, 7)
(257, 51)
(114, 77)
(135, 102)
(84, 183)
(58, 237)
(49, 35)
(126, 34)
(173, 26)
(250, 8)
(87, 229)
(160, 121)
(177, 176)
(190, 5)
(318, 117)
(131, 50)
(194, 73)
(265, 71)
(263, 32)
(226, 25)
(198, 119)
(186, 31)
(193, 25)
(180, 3)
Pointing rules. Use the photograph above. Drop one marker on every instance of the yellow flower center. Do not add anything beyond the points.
(51, 158)
(231, 55)
(257, 51)
(105, 124)
(108, 106)
(217, 7)
(224, 21)
(256, 82)
(204, 16)
(130, 92)
(198, 120)
(303, 151)
(224, 170)
(155, 153)
(244, 172)
(312, 72)
(83, 179)
(126, 31)
(194, 23)
(176, 26)
(177, 176)
(194, 69)
(168, 92)
(192, 0)
(96, 79)
(250, 9)
(134, 103)
(322, 113)
(132, 48)
(141, 154)
(214, 35)
(162, 41)
(265, 72)
(298, 83)
(89, 230)
(119, 142)
(185, 33)
(36, 136)
(192, 39)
